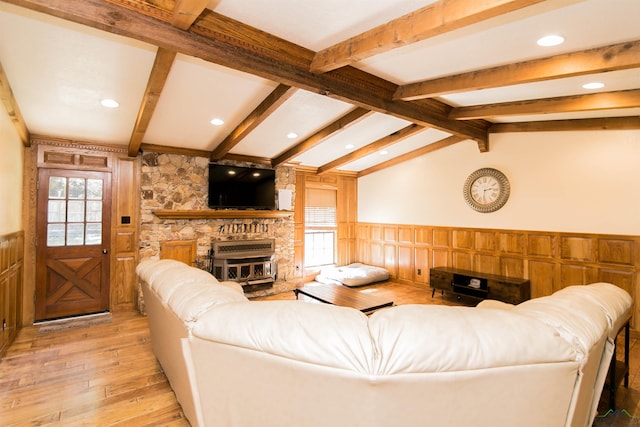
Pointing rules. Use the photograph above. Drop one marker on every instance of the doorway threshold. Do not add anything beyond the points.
(73, 322)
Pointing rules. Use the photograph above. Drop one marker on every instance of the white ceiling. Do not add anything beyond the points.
(59, 71)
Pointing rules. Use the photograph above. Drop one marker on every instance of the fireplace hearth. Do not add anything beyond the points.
(248, 262)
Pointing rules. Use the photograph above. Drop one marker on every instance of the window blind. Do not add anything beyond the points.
(320, 208)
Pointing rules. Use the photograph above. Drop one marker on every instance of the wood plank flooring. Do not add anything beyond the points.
(106, 374)
(100, 375)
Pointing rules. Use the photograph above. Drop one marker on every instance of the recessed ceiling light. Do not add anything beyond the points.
(384, 152)
(292, 135)
(217, 122)
(550, 40)
(109, 103)
(593, 85)
(349, 146)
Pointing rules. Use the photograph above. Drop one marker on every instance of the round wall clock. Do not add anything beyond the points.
(486, 190)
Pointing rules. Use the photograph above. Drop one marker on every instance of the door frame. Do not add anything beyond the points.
(49, 152)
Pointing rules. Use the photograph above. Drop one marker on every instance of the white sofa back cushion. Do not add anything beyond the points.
(191, 302)
(315, 333)
(614, 301)
(579, 320)
(419, 338)
(148, 270)
(165, 276)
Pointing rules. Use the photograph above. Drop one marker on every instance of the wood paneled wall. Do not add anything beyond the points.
(550, 260)
(11, 275)
(125, 233)
(346, 187)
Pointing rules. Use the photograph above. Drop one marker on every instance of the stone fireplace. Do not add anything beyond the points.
(179, 182)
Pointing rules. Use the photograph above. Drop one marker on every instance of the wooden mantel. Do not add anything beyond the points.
(217, 214)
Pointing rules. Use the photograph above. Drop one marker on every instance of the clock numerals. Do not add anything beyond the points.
(486, 190)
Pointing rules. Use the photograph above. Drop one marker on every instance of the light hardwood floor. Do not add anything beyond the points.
(106, 374)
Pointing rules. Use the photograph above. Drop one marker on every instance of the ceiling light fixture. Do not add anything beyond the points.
(217, 122)
(593, 85)
(109, 103)
(550, 40)
(384, 152)
(349, 146)
(292, 135)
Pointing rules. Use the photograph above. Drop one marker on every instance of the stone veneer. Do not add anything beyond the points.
(178, 182)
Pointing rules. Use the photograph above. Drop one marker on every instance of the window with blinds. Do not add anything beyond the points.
(320, 226)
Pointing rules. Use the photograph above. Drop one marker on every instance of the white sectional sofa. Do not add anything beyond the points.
(232, 362)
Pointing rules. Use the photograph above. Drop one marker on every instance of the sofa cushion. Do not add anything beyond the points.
(614, 301)
(149, 269)
(321, 334)
(165, 276)
(234, 285)
(421, 338)
(495, 304)
(190, 302)
(581, 321)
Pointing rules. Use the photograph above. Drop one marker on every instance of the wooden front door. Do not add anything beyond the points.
(73, 236)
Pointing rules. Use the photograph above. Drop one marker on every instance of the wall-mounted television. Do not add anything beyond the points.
(235, 187)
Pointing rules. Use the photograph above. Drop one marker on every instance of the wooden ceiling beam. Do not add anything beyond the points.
(605, 123)
(230, 43)
(336, 126)
(434, 19)
(185, 12)
(270, 104)
(11, 105)
(563, 104)
(168, 149)
(615, 57)
(381, 143)
(157, 79)
(443, 143)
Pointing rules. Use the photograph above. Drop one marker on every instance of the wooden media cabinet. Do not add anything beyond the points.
(479, 285)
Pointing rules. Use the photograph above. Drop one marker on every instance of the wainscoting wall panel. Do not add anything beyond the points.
(11, 274)
(550, 260)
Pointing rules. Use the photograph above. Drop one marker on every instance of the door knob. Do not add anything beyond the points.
(105, 251)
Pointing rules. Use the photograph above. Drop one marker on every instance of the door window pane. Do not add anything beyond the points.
(76, 211)
(94, 189)
(57, 211)
(57, 187)
(76, 188)
(94, 211)
(94, 234)
(75, 234)
(55, 235)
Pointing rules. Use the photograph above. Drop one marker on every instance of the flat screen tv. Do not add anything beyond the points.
(234, 187)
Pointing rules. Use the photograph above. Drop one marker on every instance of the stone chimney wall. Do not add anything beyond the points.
(179, 182)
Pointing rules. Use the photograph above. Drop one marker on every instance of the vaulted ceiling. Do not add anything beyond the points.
(328, 85)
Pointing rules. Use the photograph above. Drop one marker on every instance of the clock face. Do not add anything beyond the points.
(486, 190)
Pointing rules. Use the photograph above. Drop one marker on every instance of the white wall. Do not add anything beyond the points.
(585, 182)
(11, 167)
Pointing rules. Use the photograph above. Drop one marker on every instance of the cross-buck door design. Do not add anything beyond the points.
(73, 236)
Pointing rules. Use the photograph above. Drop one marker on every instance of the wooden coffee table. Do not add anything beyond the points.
(343, 296)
